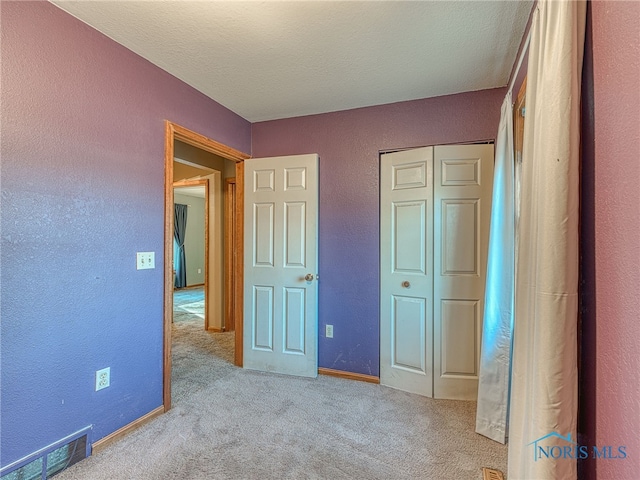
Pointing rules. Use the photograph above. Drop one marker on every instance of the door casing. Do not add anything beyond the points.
(174, 132)
(230, 253)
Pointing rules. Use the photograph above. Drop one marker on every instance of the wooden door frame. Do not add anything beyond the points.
(174, 132)
(205, 183)
(518, 118)
(230, 242)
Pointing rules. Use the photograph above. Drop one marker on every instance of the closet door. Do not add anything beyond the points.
(406, 265)
(463, 179)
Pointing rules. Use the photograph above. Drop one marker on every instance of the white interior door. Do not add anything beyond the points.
(406, 266)
(280, 292)
(435, 208)
(463, 181)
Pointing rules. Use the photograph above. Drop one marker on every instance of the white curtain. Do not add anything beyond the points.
(495, 359)
(544, 368)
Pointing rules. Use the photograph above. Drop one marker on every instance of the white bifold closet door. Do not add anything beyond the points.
(435, 207)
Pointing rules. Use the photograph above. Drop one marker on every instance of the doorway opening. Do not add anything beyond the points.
(191, 257)
(178, 138)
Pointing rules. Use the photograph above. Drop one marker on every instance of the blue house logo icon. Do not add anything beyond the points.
(563, 447)
(555, 446)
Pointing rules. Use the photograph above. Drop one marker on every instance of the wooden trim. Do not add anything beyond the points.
(229, 253)
(190, 287)
(522, 92)
(200, 141)
(101, 444)
(518, 119)
(216, 330)
(190, 183)
(168, 265)
(239, 267)
(206, 255)
(176, 132)
(348, 375)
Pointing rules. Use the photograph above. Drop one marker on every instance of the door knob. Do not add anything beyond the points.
(406, 284)
(308, 277)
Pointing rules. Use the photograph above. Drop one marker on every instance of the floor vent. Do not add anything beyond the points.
(47, 462)
(492, 474)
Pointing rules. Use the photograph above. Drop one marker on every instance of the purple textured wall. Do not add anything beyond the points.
(349, 143)
(616, 94)
(82, 191)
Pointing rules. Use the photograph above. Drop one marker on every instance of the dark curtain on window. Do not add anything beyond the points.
(179, 229)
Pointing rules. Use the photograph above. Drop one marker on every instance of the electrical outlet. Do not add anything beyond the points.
(145, 260)
(103, 378)
(329, 331)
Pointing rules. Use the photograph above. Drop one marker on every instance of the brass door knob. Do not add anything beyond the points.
(308, 277)
(406, 284)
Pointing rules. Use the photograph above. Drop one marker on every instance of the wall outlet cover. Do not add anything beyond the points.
(329, 331)
(103, 378)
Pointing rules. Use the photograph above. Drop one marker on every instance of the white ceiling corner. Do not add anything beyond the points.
(277, 59)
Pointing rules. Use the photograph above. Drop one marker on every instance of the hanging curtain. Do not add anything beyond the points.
(495, 358)
(544, 368)
(179, 229)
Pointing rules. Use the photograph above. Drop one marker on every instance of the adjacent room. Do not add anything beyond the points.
(319, 239)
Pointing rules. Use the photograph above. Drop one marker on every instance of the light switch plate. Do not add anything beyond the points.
(146, 260)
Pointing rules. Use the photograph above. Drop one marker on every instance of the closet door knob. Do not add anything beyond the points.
(406, 284)
(308, 277)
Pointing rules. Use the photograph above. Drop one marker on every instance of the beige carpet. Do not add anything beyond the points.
(238, 424)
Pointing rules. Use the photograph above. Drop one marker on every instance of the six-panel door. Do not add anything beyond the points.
(463, 182)
(434, 222)
(406, 266)
(435, 206)
(280, 292)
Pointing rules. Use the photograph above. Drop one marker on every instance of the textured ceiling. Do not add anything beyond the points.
(275, 59)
